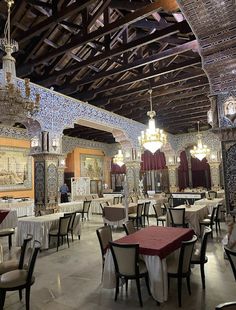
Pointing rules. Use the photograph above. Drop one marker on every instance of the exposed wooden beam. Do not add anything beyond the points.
(45, 24)
(141, 77)
(77, 40)
(98, 12)
(135, 64)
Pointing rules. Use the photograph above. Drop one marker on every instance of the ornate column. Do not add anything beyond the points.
(132, 162)
(215, 175)
(47, 170)
(173, 177)
(189, 168)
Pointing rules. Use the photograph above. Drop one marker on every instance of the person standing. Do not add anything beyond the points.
(64, 192)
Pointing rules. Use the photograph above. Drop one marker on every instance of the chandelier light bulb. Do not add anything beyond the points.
(201, 150)
(119, 158)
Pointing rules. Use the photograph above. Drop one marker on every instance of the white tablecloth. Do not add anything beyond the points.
(195, 214)
(210, 203)
(10, 221)
(95, 204)
(40, 226)
(157, 271)
(70, 206)
(23, 208)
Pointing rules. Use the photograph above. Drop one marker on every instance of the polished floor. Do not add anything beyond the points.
(71, 279)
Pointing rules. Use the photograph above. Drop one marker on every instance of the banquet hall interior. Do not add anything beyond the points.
(117, 154)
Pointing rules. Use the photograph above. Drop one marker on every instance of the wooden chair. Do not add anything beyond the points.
(17, 280)
(62, 231)
(14, 264)
(7, 232)
(129, 227)
(85, 209)
(158, 214)
(200, 258)
(116, 200)
(128, 266)
(177, 217)
(138, 215)
(209, 221)
(231, 254)
(71, 224)
(227, 305)
(181, 268)
(146, 212)
(104, 235)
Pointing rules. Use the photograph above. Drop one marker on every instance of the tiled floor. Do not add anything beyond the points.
(71, 279)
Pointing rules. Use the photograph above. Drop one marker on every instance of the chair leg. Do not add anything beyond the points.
(117, 287)
(67, 237)
(179, 290)
(148, 219)
(72, 237)
(10, 241)
(188, 284)
(126, 285)
(20, 294)
(139, 291)
(202, 275)
(79, 237)
(58, 242)
(27, 298)
(2, 298)
(147, 284)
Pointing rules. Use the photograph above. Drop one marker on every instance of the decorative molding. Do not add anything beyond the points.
(58, 112)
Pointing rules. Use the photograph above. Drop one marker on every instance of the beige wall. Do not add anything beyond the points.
(22, 144)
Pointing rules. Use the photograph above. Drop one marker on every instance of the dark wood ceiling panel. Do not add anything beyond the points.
(110, 53)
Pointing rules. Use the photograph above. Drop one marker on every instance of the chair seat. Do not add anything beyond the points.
(161, 218)
(79, 211)
(53, 232)
(14, 278)
(133, 215)
(196, 259)
(8, 266)
(6, 232)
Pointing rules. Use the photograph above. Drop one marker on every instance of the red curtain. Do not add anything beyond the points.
(200, 173)
(183, 176)
(153, 161)
(116, 169)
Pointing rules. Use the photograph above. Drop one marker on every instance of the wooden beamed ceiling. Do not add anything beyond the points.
(110, 53)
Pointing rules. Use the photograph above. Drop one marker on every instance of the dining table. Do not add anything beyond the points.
(156, 243)
(8, 218)
(71, 206)
(210, 203)
(23, 207)
(39, 227)
(193, 215)
(115, 215)
(95, 204)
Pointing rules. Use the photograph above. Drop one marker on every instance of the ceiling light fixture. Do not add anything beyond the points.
(200, 151)
(14, 107)
(153, 138)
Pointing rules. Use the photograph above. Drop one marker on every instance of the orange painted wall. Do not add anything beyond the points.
(73, 162)
(22, 144)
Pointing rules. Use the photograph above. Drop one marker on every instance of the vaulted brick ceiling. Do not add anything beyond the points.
(110, 53)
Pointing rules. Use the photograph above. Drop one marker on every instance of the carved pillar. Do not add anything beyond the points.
(132, 176)
(189, 168)
(214, 111)
(173, 177)
(45, 181)
(48, 172)
(215, 175)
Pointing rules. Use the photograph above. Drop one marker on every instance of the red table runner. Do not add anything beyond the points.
(3, 214)
(160, 241)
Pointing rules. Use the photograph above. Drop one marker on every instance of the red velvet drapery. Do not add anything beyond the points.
(153, 161)
(200, 173)
(183, 176)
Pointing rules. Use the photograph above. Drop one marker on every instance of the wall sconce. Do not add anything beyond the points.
(34, 142)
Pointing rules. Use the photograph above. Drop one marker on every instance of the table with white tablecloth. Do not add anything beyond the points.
(210, 203)
(8, 218)
(22, 207)
(193, 215)
(95, 204)
(71, 206)
(40, 226)
(115, 214)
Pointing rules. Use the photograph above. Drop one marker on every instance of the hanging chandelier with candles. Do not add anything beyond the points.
(119, 158)
(153, 138)
(201, 150)
(14, 106)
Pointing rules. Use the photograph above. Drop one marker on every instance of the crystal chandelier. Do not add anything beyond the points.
(14, 106)
(200, 151)
(153, 138)
(119, 158)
